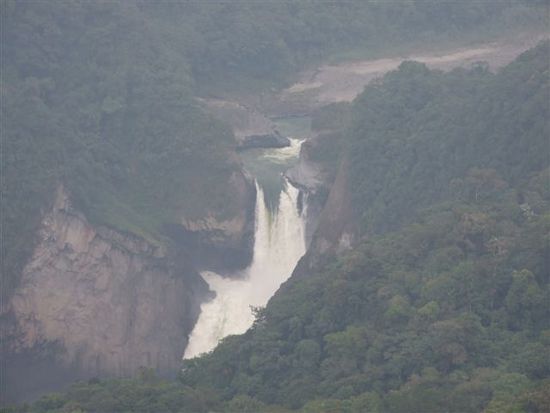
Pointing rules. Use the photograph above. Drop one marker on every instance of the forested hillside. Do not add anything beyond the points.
(443, 303)
(99, 95)
(106, 109)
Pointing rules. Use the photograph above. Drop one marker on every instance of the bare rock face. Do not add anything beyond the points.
(307, 174)
(95, 302)
(337, 223)
(312, 180)
(220, 243)
(343, 81)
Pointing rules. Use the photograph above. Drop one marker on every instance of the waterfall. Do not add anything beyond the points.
(278, 245)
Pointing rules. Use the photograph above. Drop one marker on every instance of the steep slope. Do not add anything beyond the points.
(88, 306)
(414, 122)
(100, 114)
(442, 302)
(116, 189)
(116, 123)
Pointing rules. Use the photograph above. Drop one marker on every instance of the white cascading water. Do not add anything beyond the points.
(279, 244)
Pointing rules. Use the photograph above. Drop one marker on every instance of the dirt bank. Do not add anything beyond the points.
(345, 80)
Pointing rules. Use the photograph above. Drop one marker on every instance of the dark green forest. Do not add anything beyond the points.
(441, 307)
(99, 96)
(444, 305)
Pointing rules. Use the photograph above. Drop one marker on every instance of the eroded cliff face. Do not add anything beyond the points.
(335, 228)
(95, 302)
(217, 243)
(314, 180)
(251, 128)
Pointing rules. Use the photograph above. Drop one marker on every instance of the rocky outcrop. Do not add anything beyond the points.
(315, 173)
(96, 302)
(307, 174)
(336, 226)
(252, 129)
(270, 140)
(220, 243)
(312, 180)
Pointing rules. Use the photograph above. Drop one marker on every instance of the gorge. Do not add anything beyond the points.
(279, 242)
(276, 195)
(276, 223)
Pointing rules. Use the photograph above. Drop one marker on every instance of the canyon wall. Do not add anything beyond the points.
(94, 302)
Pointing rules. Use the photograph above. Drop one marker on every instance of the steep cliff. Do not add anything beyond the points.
(343, 81)
(220, 241)
(333, 229)
(96, 302)
(314, 179)
(251, 128)
(443, 294)
(321, 173)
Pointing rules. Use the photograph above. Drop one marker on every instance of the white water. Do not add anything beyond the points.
(286, 153)
(279, 243)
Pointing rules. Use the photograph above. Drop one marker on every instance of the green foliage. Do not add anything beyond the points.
(416, 121)
(334, 116)
(447, 312)
(99, 96)
(441, 308)
(244, 404)
(145, 394)
(360, 326)
(99, 102)
(324, 148)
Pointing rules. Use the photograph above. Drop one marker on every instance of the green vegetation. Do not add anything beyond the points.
(329, 124)
(99, 95)
(259, 44)
(268, 165)
(94, 99)
(445, 309)
(441, 307)
(417, 133)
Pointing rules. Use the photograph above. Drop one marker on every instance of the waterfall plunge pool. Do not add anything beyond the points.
(279, 242)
